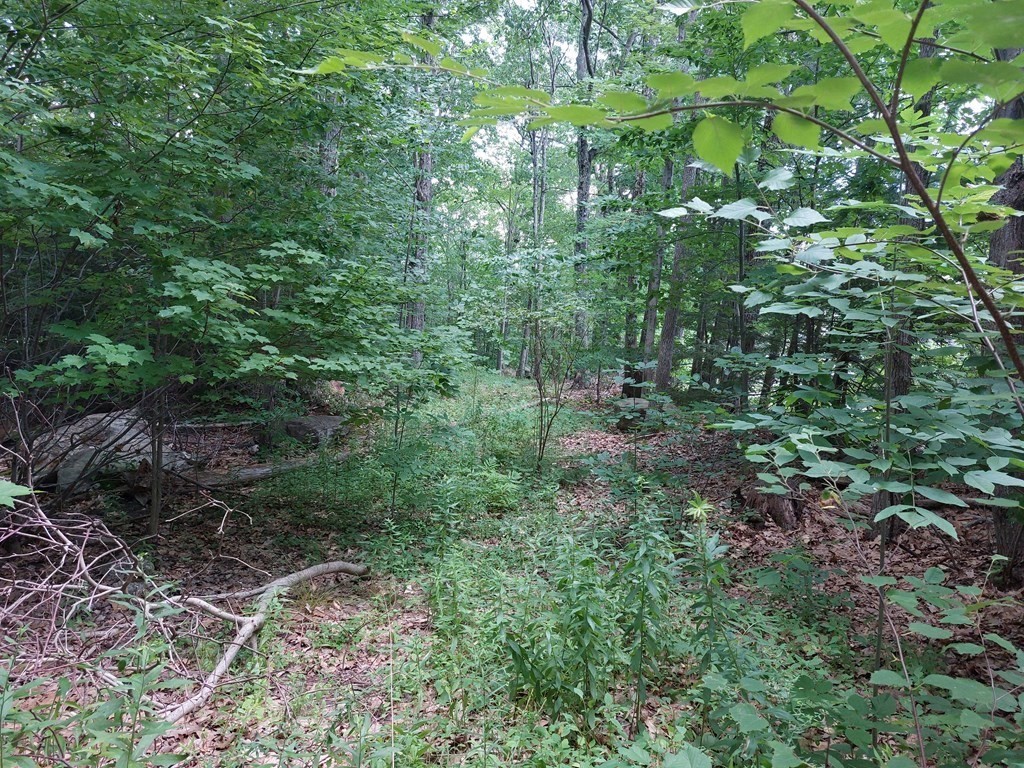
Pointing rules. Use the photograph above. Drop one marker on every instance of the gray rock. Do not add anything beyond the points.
(315, 430)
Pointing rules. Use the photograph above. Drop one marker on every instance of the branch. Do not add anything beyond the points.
(248, 626)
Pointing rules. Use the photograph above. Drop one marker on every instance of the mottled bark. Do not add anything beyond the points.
(669, 328)
(650, 327)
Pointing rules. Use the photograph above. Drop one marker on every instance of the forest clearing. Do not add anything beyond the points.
(598, 383)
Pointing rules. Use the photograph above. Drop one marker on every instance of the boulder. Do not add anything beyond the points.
(315, 430)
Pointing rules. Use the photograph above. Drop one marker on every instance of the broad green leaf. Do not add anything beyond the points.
(674, 213)
(422, 43)
(718, 141)
(888, 678)
(803, 217)
(939, 495)
(763, 74)
(795, 130)
(741, 209)
(671, 85)
(998, 79)
(719, 87)
(988, 25)
(9, 491)
(927, 630)
(747, 718)
(765, 18)
(777, 179)
(783, 756)
(688, 757)
(921, 75)
(653, 123)
(986, 480)
(624, 101)
(893, 26)
(87, 239)
(832, 93)
(970, 691)
(579, 115)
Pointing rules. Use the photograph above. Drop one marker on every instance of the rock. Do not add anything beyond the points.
(315, 430)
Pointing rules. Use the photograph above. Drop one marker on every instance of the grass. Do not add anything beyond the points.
(498, 628)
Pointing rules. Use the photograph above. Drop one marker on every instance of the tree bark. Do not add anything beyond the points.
(666, 345)
(1006, 249)
(585, 155)
(650, 328)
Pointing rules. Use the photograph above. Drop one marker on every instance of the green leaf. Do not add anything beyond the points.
(927, 630)
(422, 43)
(939, 495)
(623, 101)
(765, 18)
(719, 142)
(747, 718)
(653, 123)
(795, 130)
(741, 209)
(763, 74)
(672, 85)
(999, 79)
(579, 115)
(674, 213)
(967, 690)
(888, 678)
(921, 75)
(783, 756)
(777, 179)
(688, 757)
(832, 93)
(803, 217)
(9, 491)
(86, 239)
(987, 480)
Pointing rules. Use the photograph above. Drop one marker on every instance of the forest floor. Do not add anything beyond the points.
(497, 624)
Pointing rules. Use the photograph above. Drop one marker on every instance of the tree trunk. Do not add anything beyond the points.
(423, 199)
(666, 345)
(654, 281)
(585, 167)
(1006, 249)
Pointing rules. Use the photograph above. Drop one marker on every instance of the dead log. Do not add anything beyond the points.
(244, 475)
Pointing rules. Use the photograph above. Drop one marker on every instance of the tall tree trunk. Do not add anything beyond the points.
(585, 167)
(669, 328)
(1006, 249)
(764, 399)
(423, 200)
(650, 328)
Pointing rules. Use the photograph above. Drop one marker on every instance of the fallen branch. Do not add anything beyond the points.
(248, 626)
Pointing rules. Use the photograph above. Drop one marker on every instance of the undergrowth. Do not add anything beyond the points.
(503, 627)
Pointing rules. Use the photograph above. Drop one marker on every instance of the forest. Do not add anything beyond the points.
(593, 383)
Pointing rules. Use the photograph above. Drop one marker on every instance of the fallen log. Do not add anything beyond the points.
(248, 626)
(242, 475)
